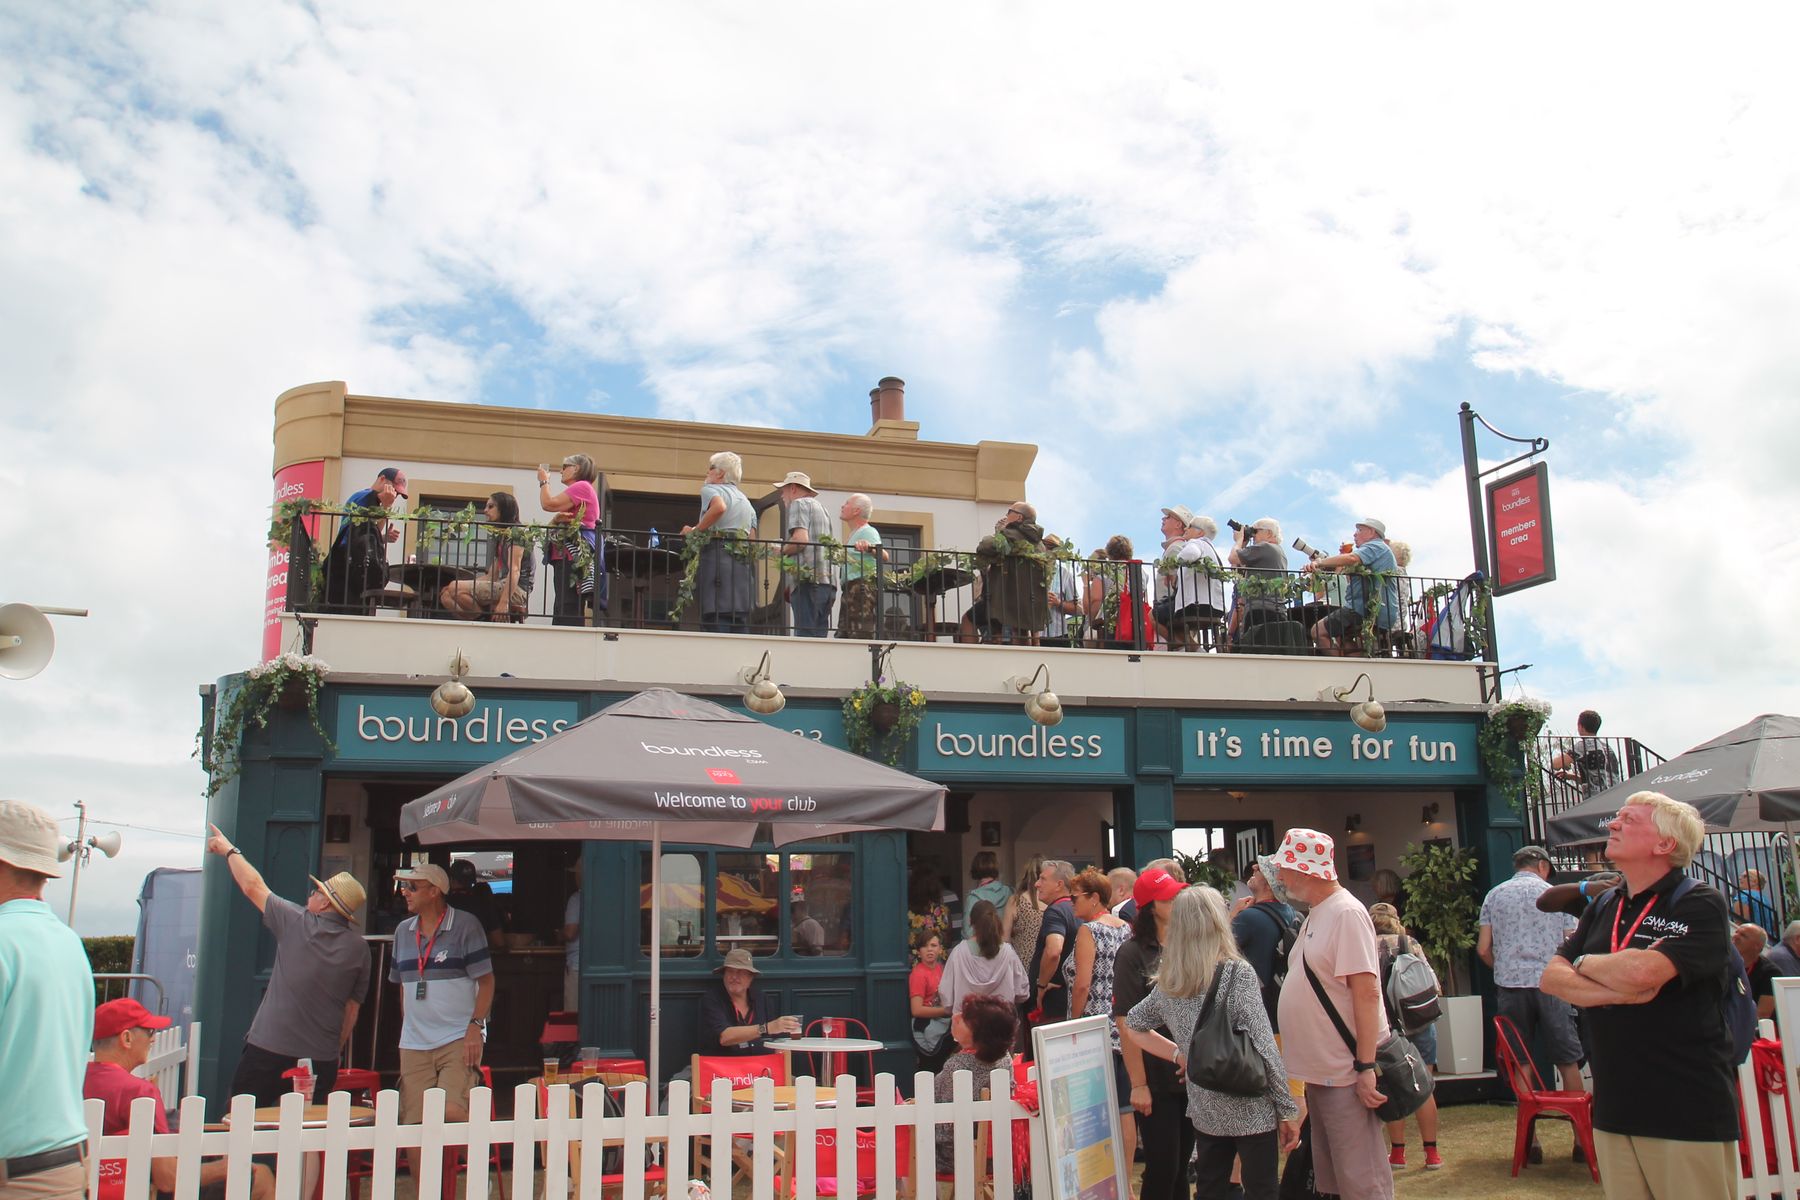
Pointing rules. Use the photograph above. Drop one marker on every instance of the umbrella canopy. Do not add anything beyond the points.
(664, 765)
(1745, 780)
(704, 773)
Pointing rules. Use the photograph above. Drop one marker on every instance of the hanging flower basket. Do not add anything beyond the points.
(879, 717)
(1509, 748)
(294, 694)
(290, 682)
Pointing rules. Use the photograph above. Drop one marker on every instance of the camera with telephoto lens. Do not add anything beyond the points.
(1302, 547)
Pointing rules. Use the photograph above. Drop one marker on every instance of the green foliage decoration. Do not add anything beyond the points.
(1508, 741)
(290, 678)
(1441, 904)
(859, 728)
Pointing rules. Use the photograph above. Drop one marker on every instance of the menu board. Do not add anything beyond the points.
(1080, 1110)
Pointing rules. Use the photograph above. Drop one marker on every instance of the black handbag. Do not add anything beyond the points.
(1400, 1070)
(1221, 1057)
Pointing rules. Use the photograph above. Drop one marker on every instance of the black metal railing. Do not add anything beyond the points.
(437, 567)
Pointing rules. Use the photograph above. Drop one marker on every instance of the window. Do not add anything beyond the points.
(902, 609)
(436, 542)
(796, 903)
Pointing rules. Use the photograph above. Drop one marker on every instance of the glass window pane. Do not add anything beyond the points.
(819, 903)
(745, 903)
(683, 905)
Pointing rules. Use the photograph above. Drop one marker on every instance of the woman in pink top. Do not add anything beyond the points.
(578, 506)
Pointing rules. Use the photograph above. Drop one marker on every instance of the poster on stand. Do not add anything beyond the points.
(1080, 1110)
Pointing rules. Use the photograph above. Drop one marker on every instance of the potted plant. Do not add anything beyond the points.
(289, 681)
(1509, 747)
(879, 716)
(1442, 912)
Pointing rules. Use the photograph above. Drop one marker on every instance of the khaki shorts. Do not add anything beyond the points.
(440, 1068)
(486, 591)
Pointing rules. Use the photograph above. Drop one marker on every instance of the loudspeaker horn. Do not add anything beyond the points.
(26, 641)
(107, 843)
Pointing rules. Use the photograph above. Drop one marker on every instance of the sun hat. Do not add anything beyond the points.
(395, 476)
(738, 959)
(1379, 527)
(346, 895)
(1271, 874)
(428, 873)
(801, 478)
(29, 839)
(1155, 884)
(1180, 512)
(1309, 852)
(116, 1016)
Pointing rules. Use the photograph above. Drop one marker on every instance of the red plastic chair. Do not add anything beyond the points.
(1537, 1100)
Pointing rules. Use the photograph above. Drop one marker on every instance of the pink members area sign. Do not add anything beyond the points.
(1519, 541)
(299, 481)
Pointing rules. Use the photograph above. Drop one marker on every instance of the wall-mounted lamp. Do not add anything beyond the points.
(452, 698)
(1429, 813)
(1042, 707)
(1352, 822)
(762, 696)
(1368, 714)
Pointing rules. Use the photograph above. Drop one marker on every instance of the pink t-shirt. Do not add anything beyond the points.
(1338, 939)
(582, 492)
(924, 981)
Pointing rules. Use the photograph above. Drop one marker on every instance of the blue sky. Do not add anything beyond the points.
(1248, 262)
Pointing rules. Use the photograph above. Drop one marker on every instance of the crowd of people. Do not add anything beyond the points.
(1028, 587)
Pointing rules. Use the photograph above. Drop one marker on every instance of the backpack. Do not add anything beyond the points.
(1739, 1006)
(1411, 987)
(1284, 943)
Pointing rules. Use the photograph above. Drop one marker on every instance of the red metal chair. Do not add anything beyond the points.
(1537, 1100)
(846, 1027)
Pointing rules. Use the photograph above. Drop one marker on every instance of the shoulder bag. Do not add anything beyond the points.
(1221, 1057)
(1399, 1069)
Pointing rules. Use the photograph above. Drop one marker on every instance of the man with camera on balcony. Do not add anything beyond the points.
(1338, 631)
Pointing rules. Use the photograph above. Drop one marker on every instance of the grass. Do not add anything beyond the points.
(1476, 1141)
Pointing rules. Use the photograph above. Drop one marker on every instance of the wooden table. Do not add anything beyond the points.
(312, 1116)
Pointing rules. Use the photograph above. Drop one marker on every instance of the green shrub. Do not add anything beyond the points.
(109, 956)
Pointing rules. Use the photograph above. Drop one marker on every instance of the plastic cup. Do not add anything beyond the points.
(552, 1070)
(304, 1085)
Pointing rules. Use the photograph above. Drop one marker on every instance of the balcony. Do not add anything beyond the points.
(399, 598)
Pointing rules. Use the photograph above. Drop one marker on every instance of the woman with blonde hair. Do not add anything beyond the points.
(1200, 961)
(725, 583)
(1020, 924)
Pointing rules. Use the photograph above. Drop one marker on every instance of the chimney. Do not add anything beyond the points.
(887, 400)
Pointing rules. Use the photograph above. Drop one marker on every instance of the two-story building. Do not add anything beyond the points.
(1235, 746)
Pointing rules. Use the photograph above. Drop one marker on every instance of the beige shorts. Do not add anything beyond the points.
(486, 591)
(440, 1068)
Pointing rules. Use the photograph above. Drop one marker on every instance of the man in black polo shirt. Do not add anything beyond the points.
(1056, 939)
(1649, 968)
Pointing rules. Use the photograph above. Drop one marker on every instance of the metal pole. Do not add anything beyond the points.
(80, 854)
(655, 958)
(1478, 538)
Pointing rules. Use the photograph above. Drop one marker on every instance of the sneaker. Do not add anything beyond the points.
(1433, 1160)
(1397, 1158)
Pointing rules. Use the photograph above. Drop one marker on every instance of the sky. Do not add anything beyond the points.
(1250, 261)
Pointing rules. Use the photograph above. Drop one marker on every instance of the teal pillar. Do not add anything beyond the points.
(1144, 812)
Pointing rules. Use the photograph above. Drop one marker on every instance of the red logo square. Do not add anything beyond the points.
(723, 775)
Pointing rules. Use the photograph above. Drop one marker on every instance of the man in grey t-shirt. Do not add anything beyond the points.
(807, 525)
(316, 990)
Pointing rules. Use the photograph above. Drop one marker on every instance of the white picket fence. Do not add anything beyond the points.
(539, 1145)
(1762, 1184)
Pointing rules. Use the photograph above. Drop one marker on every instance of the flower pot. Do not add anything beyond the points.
(884, 716)
(292, 696)
(1518, 726)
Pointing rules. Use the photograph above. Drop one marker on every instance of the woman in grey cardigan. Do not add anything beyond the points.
(1258, 1129)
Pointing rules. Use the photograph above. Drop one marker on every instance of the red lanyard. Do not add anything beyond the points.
(424, 947)
(1617, 945)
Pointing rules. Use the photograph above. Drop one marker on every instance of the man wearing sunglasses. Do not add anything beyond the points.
(446, 978)
(317, 987)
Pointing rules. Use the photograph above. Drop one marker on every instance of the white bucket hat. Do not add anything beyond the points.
(1380, 527)
(1309, 852)
(29, 838)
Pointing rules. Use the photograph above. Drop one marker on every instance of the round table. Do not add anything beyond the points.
(427, 581)
(833, 1048)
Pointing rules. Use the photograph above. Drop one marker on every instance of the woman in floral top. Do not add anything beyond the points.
(1088, 974)
(1256, 1129)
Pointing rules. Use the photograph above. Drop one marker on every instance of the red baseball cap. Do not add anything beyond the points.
(116, 1016)
(1155, 884)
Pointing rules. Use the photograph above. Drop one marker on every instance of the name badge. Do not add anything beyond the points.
(419, 992)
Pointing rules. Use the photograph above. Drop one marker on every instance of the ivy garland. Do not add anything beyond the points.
(462, 526)
(859, 708)
(264, 686)
(1511, 755)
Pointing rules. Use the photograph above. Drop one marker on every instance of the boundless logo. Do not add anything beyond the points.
(747, 756)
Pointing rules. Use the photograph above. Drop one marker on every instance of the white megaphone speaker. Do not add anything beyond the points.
(26, 641)
(107, 843)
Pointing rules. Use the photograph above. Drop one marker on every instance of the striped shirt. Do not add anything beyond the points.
(456, 956)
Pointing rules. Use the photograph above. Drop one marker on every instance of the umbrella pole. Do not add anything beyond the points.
(655, 958)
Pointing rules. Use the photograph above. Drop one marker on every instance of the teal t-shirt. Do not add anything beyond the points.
(859, 562)
(46, 1029)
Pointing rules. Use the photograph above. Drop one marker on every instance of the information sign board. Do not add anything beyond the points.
(1080, 1108)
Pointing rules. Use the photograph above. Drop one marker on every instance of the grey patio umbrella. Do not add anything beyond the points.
(664, 764)
(1748, 779)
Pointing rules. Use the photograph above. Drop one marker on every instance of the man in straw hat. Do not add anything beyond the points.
(735, 1015)
(317, 987)
(812, 594)
(46, 1017)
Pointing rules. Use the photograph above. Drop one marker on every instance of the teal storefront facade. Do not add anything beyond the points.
(386, 738)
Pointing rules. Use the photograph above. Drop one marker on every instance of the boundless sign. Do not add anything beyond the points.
(297, 481)
(1008, 743)
(386, 728)
(1518, 521)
